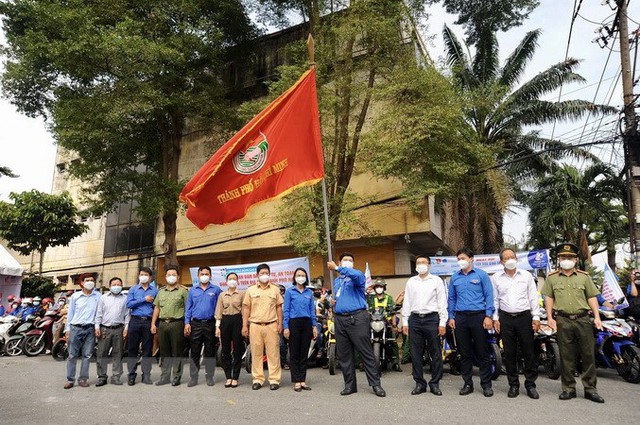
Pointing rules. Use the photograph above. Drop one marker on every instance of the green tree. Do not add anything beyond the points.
(482, 17)
(497, 107)
(125, 84)
(36, 221)
(35, 284)
(584, 207)
(6, 171)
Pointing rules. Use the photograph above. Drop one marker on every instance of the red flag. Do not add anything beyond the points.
(279, 150)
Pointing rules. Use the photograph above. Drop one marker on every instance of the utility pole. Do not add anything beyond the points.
(630, 137)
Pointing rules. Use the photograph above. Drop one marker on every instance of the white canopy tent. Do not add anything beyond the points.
(10, 276)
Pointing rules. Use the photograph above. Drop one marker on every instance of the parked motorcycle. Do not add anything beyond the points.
(330, 338)
(546, 349)
(452, 357)
(8, 325)
(615, 348)
(37, 340)
(60, 349)
(13, 346)
(381, 338)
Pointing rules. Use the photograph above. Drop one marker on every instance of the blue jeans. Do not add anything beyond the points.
(82, 342)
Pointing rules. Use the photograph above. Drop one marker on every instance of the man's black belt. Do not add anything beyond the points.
(194, 320)
(113, 326)
(83, 325)
(572, 316)
(142, 317)
(518, 314)
(263, 323)
(172, 319)
(424, 314)
(351, 313)
(470, 312)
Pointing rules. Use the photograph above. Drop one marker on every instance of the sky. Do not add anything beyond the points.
(29, 149)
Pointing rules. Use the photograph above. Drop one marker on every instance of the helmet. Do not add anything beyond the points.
(37, 299)
(47, 301)
(11, 298)
(380, 282)
(27, 301)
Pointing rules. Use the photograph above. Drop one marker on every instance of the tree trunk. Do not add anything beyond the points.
(169, 245)
(41, 260)
(611, 256)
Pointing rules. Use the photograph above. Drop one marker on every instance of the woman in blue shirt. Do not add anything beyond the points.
(299, 325)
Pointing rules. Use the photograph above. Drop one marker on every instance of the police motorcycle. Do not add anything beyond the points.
(614, 346)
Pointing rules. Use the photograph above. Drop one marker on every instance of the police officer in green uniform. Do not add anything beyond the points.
(169, 312)
(570, 294)
(380, 299)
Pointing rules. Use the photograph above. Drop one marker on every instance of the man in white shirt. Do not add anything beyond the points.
(516, 318)
(112, 319)
(424, 318)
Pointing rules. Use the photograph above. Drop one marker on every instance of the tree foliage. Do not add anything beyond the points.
(6, 171)
(36, 221)
(123, 84)
(34, 284)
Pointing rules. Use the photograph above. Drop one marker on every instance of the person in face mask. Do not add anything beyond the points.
(200, 325)
(424, 319)
(229, 330)
(516, 318)
(299, 323)
(380, 299)
(571, 294)
(262, 323)
(112, 320)
(169, 308)
(352, 322)
(470, 308)
(79, 330)
(140, 301)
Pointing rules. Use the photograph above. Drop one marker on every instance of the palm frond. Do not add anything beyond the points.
(547, 81)
(486, 60)
(457, 60)
(541, 112)
(515, 64)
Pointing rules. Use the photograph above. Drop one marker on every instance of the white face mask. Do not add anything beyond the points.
(346, 264)
(510, 264)
(143, 278)
(463, 264)
(422, 269)
(379, 290)
(205, 278)
(301, 280)
(89, 285)
(172, 279)
(567, 264)
(232, 283)
(115, 290)
(263, 278)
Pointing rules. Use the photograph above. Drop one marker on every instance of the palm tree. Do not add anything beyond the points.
(583, 207)
(496, 110)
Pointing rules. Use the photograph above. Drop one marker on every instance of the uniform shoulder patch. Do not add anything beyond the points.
(582, 272)
(554, 272)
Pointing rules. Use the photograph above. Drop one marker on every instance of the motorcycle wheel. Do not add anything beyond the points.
(552, 360)
(219, 355)
(13, 347)
(454, 365)
(332, 359)
(377, 347)
(32, 347)
(247, 359)
(496, 361)
(59, 351)
(630, 368)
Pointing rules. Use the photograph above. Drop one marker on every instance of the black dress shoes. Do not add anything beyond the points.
(256, 386)
(594, 397)
(487, 392)
(274, 387)
(163, 382)
(175, 383)
(533, 393)
(419, 389)
(467, 389)
(192, 383)
(377, 390)
(101, 382)
(566, 395)
(513, 392)
(131, 380)
(210, 381)
(435, 390)
(146, 380)
(348, 391)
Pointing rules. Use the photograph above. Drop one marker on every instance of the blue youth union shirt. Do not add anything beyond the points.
(201, 304)
(470, 292)
(137, 303)
(349, 289)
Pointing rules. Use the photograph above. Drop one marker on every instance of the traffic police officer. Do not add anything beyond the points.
(571, 293)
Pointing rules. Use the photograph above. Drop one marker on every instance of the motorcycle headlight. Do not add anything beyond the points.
(377, 326)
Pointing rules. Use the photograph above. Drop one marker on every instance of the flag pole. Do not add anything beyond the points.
(312, 61)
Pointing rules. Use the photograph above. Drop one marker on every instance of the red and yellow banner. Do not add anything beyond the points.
(279, 150)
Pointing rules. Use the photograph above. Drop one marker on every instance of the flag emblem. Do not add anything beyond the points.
(253, 159)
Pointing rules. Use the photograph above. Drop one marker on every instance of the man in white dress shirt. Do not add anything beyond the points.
(424, 318)
(516, 318)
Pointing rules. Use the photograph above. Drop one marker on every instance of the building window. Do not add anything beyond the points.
(126, 234)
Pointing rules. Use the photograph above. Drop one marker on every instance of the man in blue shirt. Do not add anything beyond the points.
(79, 330)
(200, 325)
(352, 322)
(140, 301)
(470, 306)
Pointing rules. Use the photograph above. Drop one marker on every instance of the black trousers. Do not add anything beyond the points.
(421, 330)
(300, 336)
(517, 331)
(202, 334)
(232, 345)
(472, 339)
(353, 333)
(139, 332)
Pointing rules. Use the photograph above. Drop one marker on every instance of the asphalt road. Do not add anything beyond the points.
(31, 392)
